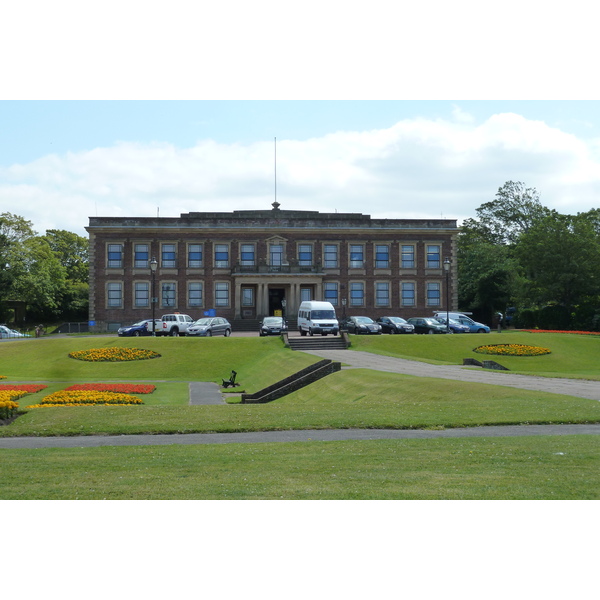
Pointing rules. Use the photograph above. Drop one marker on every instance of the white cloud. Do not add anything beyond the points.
(417, 168)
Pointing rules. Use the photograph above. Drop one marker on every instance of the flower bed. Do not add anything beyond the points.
(28, 388)
(86, 398)
(561, 331)
(8, 408)
(113, 354)
(511, 350)
(118, 388)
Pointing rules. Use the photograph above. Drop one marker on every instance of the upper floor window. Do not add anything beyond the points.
(305, 255)
(408, 257)
(140, 256)
(330, 256)
(357, 256)
(382, 257)
(247, 258)
(194, 256)
(168, 256)
(221, 256)
(276, 255)
(433, 257)
(115, 256)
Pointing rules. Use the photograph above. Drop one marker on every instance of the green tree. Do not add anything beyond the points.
(72, 251)
(560, 255)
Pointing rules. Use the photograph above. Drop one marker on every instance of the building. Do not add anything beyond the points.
(250, 263)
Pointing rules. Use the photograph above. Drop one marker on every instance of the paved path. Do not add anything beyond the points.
(318, 435)
(573, 387)
(205, 393)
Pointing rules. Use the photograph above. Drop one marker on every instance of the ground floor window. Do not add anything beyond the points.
(168, 295)
(142, 295)
(195, 293)
(305, 294)
(222, 294)
(330, 292)
(114, 293)
(357, 294)
(407, 293)
(247, 296)
(433, 294)
(382, 293)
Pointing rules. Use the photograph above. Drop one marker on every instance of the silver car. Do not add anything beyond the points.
(209, 326)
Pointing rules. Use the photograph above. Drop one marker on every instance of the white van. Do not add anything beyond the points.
(463, 319)
(317, 317)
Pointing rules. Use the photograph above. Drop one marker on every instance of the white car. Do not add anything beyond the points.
(5, 332)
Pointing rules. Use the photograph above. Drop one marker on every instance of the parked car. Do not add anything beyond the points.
(474, 326)
(272, 326)
(209, 326)
(359, 325)
(140, 328)
(454, 326)
(427, 325)
(7, 332)
(395, 325)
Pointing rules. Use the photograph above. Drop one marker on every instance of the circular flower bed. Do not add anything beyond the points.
(113, 354)
(512, 350)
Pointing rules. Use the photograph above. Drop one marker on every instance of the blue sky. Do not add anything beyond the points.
(396, 159)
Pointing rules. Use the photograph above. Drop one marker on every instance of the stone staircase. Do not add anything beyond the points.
(318, 342)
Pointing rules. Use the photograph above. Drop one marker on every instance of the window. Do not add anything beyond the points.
(221, 256)
(382, 293)
(408, 257)
(194, 256)
(433, 257)
(433, 294)
(247, 296)
(330, 292)
(222, 294)
(357, 260)
(357, 294)
(141, 294)
(168, 295)
(330, 254)
(407, 293)
(305, 255)
(168, 256)
(305, 294)
(276, 255)
(115, 256)
(194, 293)
(140, 258)
(382, 257)
(114, 292)
(247, 255)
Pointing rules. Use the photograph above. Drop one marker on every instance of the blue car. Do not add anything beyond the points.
(140, 328)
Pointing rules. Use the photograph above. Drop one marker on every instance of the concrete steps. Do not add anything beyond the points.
(318, 343)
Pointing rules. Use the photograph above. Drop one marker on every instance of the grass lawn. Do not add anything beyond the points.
(458, 469)
(495, 468)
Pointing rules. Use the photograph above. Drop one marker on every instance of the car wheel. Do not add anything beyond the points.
(209, 333)
(392, 331)
(137, 334)
(430, 331)
(310, 332)
(481, 331)
(227, 332)
(302, 332)
(174, 332)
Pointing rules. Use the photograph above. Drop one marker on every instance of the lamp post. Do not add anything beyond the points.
(447, 269)
(153, 267)
(283, 305)
(343, 308)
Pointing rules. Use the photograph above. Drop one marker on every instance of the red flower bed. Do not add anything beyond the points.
(117, 388)
(561, 331)
(28, 388)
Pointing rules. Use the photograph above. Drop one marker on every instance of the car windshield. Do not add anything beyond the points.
(431, 321)
(364, 320)
(203, 322)
(272, 321)
(140, 324)
(397, 320)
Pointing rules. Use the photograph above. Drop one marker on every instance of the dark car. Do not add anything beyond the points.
(272, 326)
(427, 325)
(455, 326)
(209, 326)
(358, 325)
(395, 325)
(140, 328)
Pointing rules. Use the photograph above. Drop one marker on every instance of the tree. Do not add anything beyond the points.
(513, 212)
(72, 252)
(560, 255)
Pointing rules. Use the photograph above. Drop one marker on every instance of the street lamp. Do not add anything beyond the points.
(447, 269)
(283, 305)
(153, 267)
(344, 308)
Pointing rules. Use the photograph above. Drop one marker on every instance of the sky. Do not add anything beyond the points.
(63, 161)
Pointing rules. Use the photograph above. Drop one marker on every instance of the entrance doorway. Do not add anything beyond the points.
(276, 295)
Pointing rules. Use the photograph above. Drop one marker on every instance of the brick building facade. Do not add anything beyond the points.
(244, 264)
